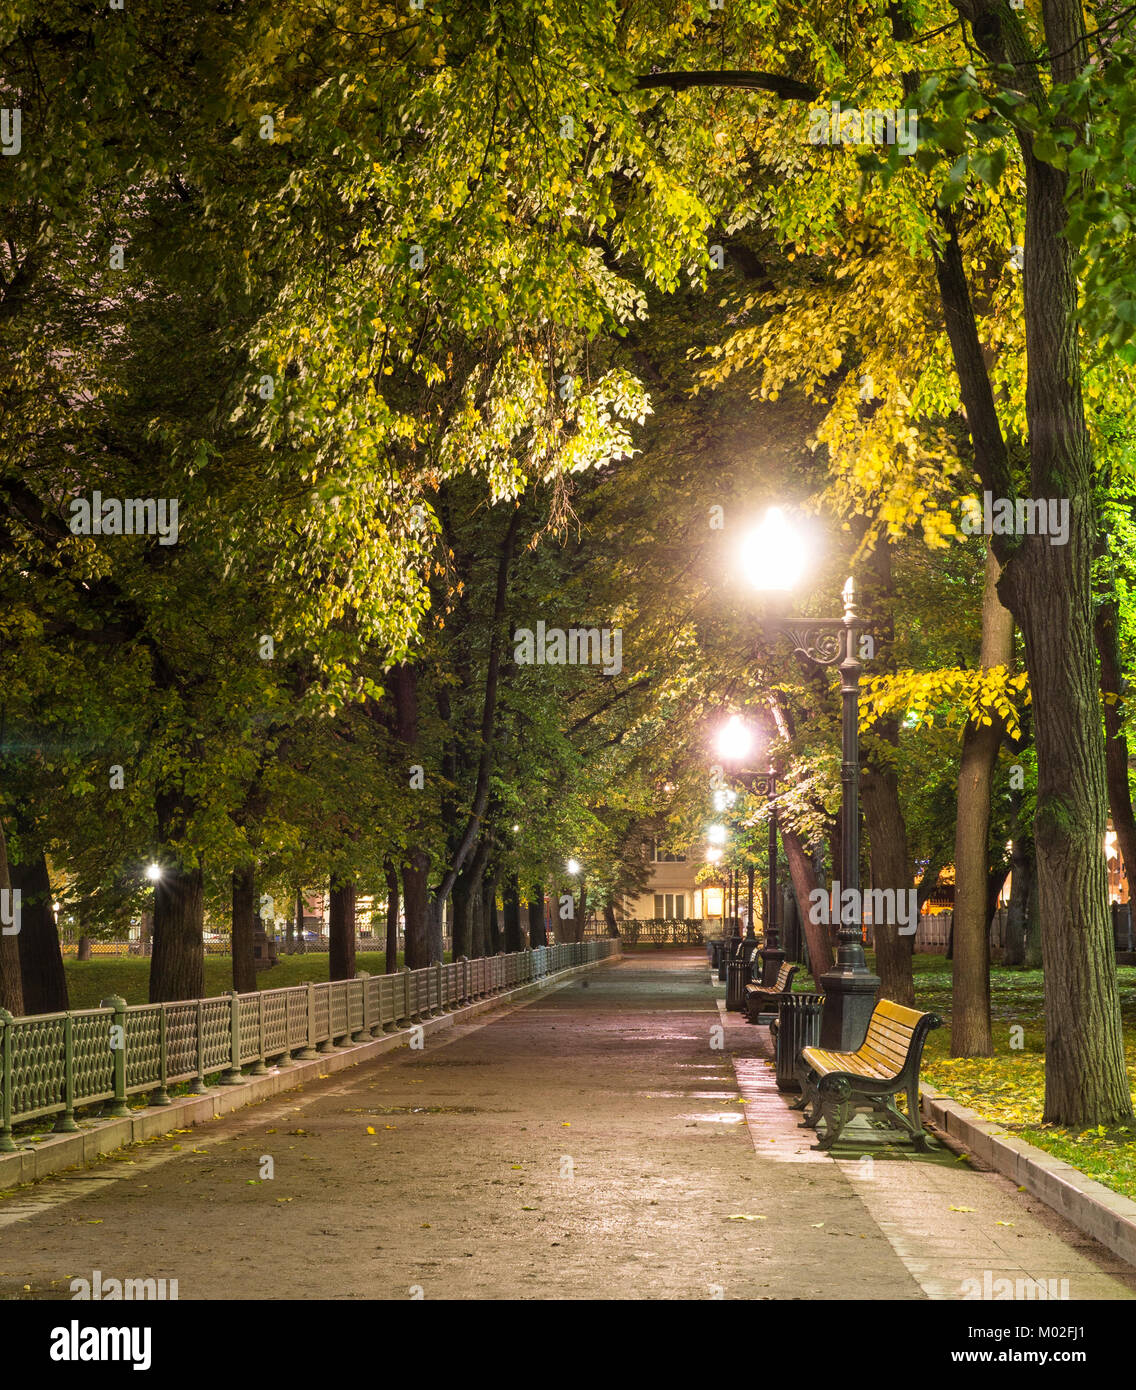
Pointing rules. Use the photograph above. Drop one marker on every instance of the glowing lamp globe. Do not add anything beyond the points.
(772, 554)
(735, 739)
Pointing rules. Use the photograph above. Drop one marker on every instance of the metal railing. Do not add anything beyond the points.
(665, 931)
(50, 1064)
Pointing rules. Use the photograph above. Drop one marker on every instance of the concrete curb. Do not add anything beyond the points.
(1105, 1215)
(100, 1137)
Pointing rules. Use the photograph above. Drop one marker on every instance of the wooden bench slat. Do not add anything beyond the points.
(892, 1027)
(878, 1038)
(886, 1048)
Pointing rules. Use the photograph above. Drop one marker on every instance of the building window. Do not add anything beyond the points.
(670, 906)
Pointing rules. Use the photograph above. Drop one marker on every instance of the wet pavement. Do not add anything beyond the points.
(619, 1137)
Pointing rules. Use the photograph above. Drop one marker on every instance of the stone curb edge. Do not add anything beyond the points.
(65, 1151)
(1105, 1215)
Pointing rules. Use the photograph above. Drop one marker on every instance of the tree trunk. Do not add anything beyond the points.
(610, 922)
(514, 940)
(341, 931)
(802, 871)
(177, 960)
(970, 1009)
(489, 914)
(41, 961)
(83, 951)
(1033, 923)
(474, 822)
(415, 899)
(890, 868)
(177, 966)
(462, 926)
(538, 934)
(478, 942)
(435, 928)
(295, 929)
(390, 960)
(244, 928)
(1048, 588)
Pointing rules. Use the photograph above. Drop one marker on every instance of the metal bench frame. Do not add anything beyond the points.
(764, 999)
(836, 1094)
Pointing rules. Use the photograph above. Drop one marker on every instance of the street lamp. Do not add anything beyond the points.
(734, 743)
(850, 989)
(153, 872)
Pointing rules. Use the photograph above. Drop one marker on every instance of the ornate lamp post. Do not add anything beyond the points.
(774, 561)
(734, 743)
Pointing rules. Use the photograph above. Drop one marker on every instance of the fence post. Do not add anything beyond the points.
(117, 1036)
(233, 1076)
(199, 1086)
(162, 1096)
(406, 992)
(441, 1009)
(65, 1122)
(367, 1031)
(7, 1143)
(360, 1034)
(309, 1053)
(260, 1066)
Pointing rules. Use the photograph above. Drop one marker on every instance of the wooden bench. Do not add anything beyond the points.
(837, 1084)
(763, 999)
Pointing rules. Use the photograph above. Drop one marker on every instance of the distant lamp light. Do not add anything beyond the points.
(713, 856)
(735, 739)
(516, 827)
(773, 556)
(153, 872)
(716, 834)
(573, 866)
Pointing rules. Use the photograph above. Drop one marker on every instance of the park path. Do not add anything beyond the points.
(593, 1143)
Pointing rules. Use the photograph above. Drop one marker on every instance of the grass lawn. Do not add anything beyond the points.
(1009, 1088)
(90, 981)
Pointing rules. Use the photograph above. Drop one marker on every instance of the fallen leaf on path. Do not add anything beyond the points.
(961, 1209)
(739, 1216)
(370, 1129)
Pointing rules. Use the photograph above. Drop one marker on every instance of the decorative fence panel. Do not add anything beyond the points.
(52, 1063)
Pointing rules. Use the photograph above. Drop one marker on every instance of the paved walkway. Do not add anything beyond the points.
(591, 1144)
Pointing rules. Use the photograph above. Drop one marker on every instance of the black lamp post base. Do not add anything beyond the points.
(849, 998)
(771, 958)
